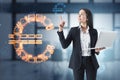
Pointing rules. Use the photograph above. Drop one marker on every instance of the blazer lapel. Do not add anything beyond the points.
(79, 38)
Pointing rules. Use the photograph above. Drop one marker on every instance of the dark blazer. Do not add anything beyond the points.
(74, 36)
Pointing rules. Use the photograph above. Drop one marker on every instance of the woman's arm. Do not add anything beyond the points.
(64, 42)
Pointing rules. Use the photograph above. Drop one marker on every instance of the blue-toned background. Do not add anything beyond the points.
(106, 15)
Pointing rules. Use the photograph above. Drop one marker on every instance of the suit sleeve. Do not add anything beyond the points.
(96, 38)
(65, 42)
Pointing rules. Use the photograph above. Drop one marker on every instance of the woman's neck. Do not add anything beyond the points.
(84, 26)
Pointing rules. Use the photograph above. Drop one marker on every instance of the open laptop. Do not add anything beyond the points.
(106, 39)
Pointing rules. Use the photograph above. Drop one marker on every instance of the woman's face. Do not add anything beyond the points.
(82, 18)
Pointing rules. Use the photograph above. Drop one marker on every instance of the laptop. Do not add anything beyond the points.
(106, 39)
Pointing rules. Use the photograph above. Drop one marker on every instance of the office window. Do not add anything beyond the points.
(29, 28)
(51, 38)
(103, 21)
(103, 1)
(55, 18)
(25, 1)
(5, 30)
(52, 1)
(117, 20)
(117, 46)
(74, 20)
(80, 1)
(51, 35)
(19, 16)
(5, 1)
(117, 1)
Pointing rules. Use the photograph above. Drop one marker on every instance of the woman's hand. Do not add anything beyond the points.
(97, 50)
(61, 25)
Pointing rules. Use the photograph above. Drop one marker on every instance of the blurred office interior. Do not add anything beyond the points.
(106, 15)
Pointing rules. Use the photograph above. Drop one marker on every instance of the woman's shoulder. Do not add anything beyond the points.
(94, 31)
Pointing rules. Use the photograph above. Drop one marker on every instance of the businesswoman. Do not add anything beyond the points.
(83, 37)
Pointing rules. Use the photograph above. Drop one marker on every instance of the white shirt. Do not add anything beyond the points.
(85, 42)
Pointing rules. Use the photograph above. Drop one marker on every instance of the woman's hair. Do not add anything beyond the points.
(89, 17)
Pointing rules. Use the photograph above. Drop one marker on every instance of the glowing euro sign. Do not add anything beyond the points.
(16, 38)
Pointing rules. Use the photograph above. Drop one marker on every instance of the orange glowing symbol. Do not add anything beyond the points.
(16, 38)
